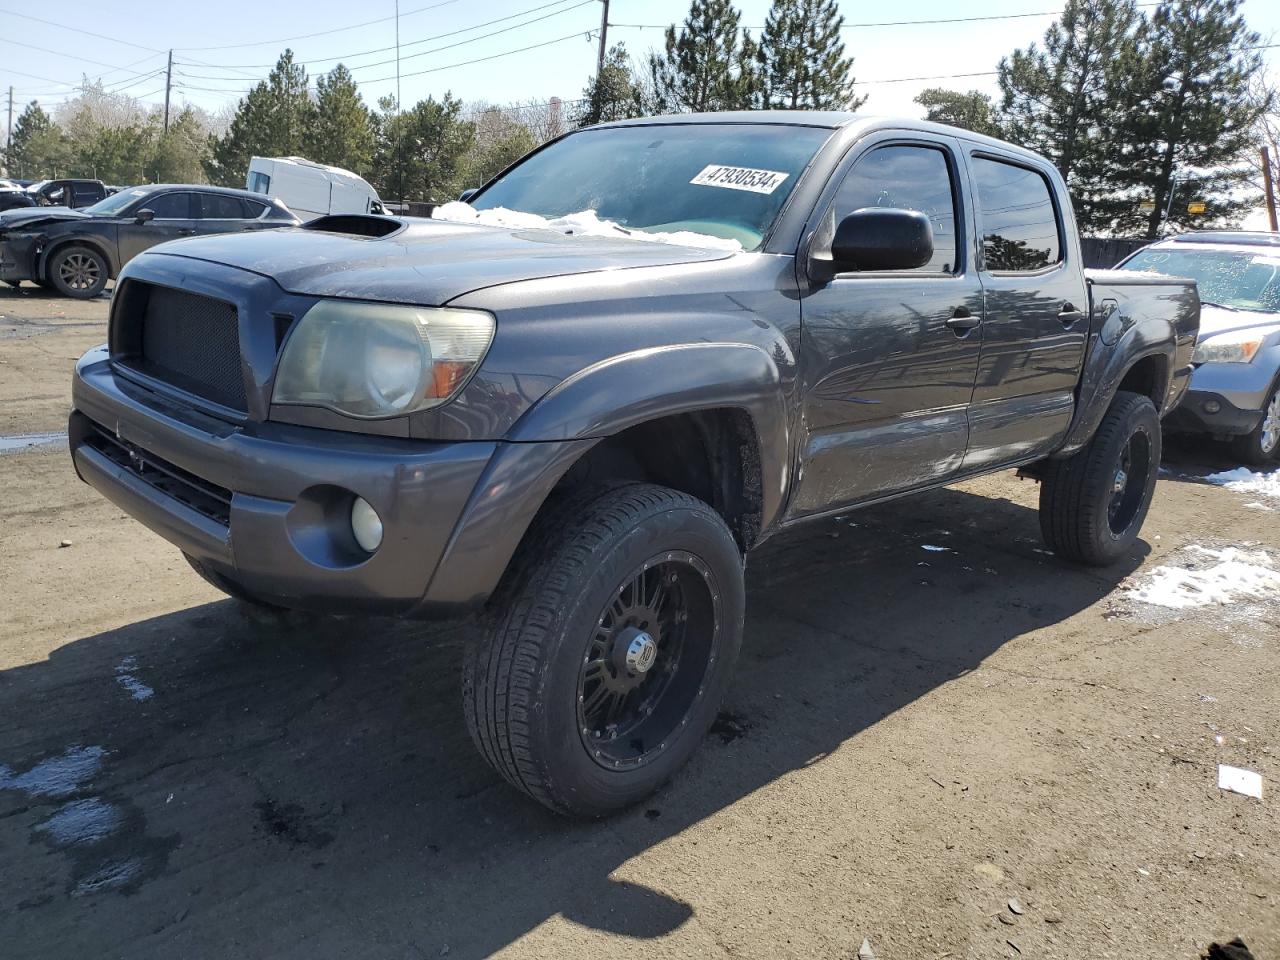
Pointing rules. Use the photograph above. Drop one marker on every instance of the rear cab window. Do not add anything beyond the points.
(1021, 228)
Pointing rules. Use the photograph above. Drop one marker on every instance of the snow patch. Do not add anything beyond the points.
(934, 549)
(124, 676)
(587, 223)
(1244, 480)
(82, 821)
(1222, 577)
(56, 776)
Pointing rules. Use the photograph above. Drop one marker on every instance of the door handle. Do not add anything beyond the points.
(1069, 315)
(186, 232)
(962, 321)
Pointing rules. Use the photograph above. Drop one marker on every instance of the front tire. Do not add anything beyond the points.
(1262, 444)
(79, 272)
(1093, 503)
(613, 646)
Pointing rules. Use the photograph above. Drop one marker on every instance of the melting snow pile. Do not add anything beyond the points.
(1244, 480)
(1225, 576)
(584, 224)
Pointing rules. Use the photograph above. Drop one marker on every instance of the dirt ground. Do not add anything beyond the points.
(914, 738)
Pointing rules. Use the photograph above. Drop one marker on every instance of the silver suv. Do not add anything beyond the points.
(1235, 390)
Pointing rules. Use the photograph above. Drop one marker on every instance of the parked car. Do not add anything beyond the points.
(311, 189)
(77, 251)
(1235, 390)
(55, 193)
(693, 333)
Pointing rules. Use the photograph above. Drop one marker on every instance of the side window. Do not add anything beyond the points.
(909, 178)
(171, 206)
(219, 206)
(253, 209)
(1020, 230)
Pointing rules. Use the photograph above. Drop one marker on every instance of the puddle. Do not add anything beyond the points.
(82, 821)
(29, 440)
(57, 776)
(125, 677)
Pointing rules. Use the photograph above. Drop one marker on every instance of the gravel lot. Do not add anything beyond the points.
(914, 738)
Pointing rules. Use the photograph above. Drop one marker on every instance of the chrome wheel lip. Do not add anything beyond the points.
(1270, 437)
(599, 743)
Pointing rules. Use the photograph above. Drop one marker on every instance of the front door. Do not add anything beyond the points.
(173, 219)
(1036, 324)
(889, 358)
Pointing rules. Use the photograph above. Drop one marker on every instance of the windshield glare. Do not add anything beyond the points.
(724, 180)
(1246, 281)
(113, 204)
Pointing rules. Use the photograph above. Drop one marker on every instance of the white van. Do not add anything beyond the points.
(312, 189)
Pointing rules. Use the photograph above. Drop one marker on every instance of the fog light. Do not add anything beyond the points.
(366, 525)
(1212, 406)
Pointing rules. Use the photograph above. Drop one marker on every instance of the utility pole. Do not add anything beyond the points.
(1266, 178)
(399, 118)
(168, 83)
(604, 34)
(8, 138)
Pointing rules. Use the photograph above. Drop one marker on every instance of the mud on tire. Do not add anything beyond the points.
(1093, 503)
(612, 643)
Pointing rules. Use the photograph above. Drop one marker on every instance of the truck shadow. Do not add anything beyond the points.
(201, 784)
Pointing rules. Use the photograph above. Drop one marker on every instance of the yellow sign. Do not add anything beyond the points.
(1195, 207)
(1146, 206)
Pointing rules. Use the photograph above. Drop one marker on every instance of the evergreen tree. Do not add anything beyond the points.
(422, 153)
(702, 67)
(38, 148)
(1188, 113)
(272, 120)
(341, 132)
(179, 154)
(969, 111)
(802, 64)
(612, 94)
(1061, 100)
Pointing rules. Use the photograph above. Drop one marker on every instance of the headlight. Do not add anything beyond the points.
(374, 360)
(1235, 346)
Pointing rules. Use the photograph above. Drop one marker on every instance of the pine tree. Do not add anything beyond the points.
(422, 153)
(801, 58)
(272, 120)
(969, 111)
(38, 147)
(1188, 113)
(612, 94)
(179, 153)
(1061, 100)
(702, 67)
(341, 131)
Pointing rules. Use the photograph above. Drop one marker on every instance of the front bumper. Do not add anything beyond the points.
(16, 259)
(267, 505)
(1204, 411)
(1225, 398)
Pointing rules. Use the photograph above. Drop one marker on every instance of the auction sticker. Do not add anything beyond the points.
(740, 178)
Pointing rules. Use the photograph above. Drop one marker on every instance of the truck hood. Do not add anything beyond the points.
(428, 262)
(1215, 320)
(30, 217)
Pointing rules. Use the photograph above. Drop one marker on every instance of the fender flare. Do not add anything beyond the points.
(42, 262)
(600, 401)
(1105, 369)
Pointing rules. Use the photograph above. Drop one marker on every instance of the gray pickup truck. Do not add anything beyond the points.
(578, 403)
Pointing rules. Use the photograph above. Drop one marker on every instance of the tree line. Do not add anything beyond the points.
(1142, 113)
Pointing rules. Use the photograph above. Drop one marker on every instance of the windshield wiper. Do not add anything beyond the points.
(1223, 306)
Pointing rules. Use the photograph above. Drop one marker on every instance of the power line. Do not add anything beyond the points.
(88, 33)
(321, 33)
(497, 56)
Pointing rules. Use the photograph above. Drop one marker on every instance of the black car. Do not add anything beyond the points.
(77, 251)
(56, 193)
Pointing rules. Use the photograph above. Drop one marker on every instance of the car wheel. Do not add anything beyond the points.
(612, 646)
(1262, 444)
(78, 272)
(1093, 503)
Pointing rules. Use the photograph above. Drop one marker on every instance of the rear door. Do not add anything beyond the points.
(1036, 321)
(889, 358)
(173, 219)
(223, 213)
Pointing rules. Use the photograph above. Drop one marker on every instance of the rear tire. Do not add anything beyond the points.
(1261, 445)
(79, 272)
(613, 643)
(1093, 503)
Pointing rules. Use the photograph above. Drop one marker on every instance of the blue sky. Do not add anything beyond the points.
(215, 62)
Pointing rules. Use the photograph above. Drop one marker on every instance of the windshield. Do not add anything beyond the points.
(1229, 278)
(115, 203)
(727, 181)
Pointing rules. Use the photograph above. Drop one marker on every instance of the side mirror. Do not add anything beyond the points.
(144, 215)
(882, 238)
(466, 195)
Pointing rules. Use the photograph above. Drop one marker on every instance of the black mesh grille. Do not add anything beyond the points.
(193, 342)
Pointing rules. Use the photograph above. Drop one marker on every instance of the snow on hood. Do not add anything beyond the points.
(584, 224)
